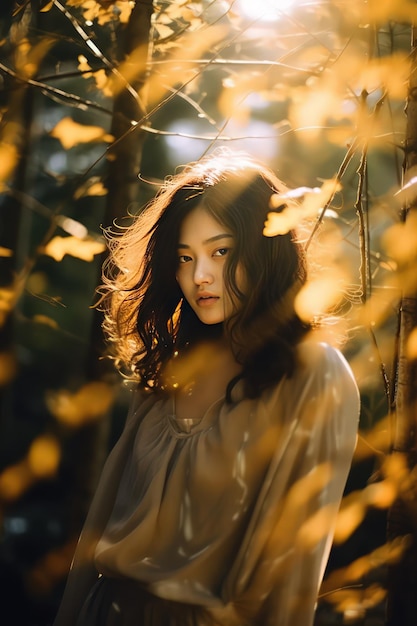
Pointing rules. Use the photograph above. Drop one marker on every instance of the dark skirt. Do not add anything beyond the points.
(122, 602)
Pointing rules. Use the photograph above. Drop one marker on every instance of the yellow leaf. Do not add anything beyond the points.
(232, 101)
(412, 345)
(348, 520)
(294, 212)
(132, 67)
(380, 495)
(190, 46)
(87, 404)
(5, 252)
(14, 480)
(104, 83)
(7, 299)
(315, 200)
(318, 296)
(125, 9)
(8, 161)
(47, 7)
(71, 133)
(92, 187)
(312, 106)
(382, 11)
(163, 31)
(83, 65)
(8, 367)
(44, 456)
(400, 240)
(282, 223)
(84, 249)
(29, 57)
(391, 72)
(316, 527)
(44, 319)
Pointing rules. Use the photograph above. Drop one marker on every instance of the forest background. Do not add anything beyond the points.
(99, 102)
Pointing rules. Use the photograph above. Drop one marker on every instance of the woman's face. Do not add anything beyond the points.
(203, 247)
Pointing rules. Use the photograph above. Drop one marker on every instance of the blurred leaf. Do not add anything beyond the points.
(41, 462)
(281, 223)
(92, 187)
(7, 299)
(84, 66)
(312, 107)
(14, 481)
(44, 319)
(44, 456)
(104, 12)
(390, 72)
(231, 102)
(354, 603)
(8, 160)
(28, 56)
(89, 403)
(8, 367)
(50, 569)
(316, 528)
(400, 240)
(348, 520)
(411, 350)
(188, 46)
(163, 31)
(47, 7)
(292, 213)
(6, 252)
(387, 554)
(84, 249)
(318, 296)
(71, 133)
(382, 11)
(374, 442)
(104, 83)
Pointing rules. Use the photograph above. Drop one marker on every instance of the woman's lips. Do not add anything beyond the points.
(207, 300)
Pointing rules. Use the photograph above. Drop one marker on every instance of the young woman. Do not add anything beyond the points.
(217, 504)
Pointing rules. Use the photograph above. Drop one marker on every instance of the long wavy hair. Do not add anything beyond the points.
(146, 318)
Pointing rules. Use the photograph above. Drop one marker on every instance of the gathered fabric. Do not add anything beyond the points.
(223, 521)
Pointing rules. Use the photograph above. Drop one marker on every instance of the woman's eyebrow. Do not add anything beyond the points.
(209, 240)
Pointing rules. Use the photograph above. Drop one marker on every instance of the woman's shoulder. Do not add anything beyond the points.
(321, 368)
(318, 357)
(322, 384)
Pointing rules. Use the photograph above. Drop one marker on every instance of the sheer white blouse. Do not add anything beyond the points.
(234, 513)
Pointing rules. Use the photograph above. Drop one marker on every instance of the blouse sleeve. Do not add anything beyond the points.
(83, 573)
(285, 552)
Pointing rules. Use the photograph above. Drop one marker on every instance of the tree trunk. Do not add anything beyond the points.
(402, 517)
(15, 131)
(122, 184)
(125, 156)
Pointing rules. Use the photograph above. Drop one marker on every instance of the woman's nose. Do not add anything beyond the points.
(203, 274)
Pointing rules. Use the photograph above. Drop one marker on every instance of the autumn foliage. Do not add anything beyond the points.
(317, 90)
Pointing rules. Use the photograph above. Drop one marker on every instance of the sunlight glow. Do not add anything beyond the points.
(263, 10)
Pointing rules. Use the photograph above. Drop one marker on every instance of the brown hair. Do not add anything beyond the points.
(146, 317)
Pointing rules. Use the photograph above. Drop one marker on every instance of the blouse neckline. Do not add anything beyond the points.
(186, 426)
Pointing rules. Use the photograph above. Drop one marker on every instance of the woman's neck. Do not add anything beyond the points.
(199, 376)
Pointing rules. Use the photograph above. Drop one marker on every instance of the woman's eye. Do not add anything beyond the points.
(221, 252)
(184, 258)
